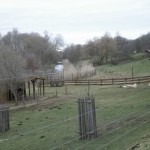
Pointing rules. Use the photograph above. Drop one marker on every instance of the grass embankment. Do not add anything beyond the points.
(137, 68)
(122, 118)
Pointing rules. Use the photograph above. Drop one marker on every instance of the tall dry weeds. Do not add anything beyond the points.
(72, 72)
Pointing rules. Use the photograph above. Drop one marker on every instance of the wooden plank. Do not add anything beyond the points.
(29, 87)
(43, 87)
(84, 128)
(94, 117)
(79, 117)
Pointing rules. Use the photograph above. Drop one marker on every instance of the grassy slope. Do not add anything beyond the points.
(126, 107)
(140, 68)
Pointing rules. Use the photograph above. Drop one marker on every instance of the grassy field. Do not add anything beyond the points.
(140, 68)
(122, 117)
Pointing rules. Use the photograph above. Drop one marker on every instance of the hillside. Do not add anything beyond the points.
(137, 68)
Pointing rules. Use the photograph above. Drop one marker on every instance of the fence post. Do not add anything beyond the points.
(112, 81)
(132, 72)
(101, 81)
(40, 87)
(72, 76)
(4, 119)
(66, 90)
(43, 87)
(138, 80)
(56, 93)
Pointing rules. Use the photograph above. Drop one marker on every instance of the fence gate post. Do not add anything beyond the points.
(87, 118)
(4, 119)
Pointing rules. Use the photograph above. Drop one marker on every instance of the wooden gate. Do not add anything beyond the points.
(4, 119)
(87, 118)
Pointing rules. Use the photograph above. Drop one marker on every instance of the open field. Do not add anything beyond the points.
(123, 117)
(140, 68)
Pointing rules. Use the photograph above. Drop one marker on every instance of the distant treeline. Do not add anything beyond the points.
(107, 49)
(22, 52)
(26, 52)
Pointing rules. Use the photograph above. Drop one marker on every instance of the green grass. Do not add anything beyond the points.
(120, 113)
(138, 55)
(140, 68)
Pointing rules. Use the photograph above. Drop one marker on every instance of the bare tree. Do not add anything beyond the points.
(11, 69)
(72, 53)
(32, 63)
(58, 41)
(11, 62)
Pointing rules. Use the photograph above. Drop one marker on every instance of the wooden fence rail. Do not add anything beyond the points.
(113, 81)
(4, 119)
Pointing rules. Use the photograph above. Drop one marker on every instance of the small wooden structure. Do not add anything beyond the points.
(15, 89)
(4, 119)
(39, 85)
(11, 90)
(87, 118)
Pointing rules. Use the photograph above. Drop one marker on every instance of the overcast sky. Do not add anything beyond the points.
(76, 20)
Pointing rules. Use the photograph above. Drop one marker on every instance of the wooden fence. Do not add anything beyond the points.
(87, 118)
(113, 81)
(4, 119)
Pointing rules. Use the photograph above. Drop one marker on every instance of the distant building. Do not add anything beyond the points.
(59, 67)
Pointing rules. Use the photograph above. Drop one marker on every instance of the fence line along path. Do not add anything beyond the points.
(112, 81)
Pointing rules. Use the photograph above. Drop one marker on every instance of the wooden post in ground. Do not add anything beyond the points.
(40, 87)
(112, 81)
(29, 87)
(132, 72)
(24, 88)
(33, 84)
(66, 90)
(56, 93)
(43, 87)
(72, 76)
(4, 119)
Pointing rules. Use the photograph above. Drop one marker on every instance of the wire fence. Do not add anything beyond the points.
(112, 81)
(49, 126)
(135, 144)
(128, 123)
(57, 127)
